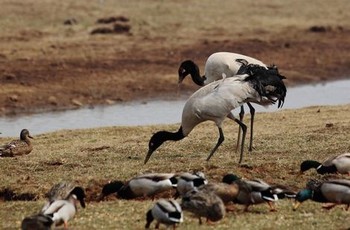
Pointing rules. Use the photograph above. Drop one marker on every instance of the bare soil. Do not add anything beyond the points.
(39, 72)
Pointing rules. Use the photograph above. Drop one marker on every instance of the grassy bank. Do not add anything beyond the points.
(91, 157)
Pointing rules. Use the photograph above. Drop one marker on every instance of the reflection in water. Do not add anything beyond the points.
(160, 112)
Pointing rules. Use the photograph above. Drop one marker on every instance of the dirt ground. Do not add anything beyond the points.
(40, 71)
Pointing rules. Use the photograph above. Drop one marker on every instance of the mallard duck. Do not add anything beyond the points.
(141, 186)
(59, 191)
(204, 204)
(64, 210)
(335, 191)
(187, 181)
(17, 147)
(227, 192)
(336, 164)
(256, 191)
(166, 212)
(37, 222)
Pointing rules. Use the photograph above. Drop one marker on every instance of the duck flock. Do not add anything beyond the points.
(230, 81)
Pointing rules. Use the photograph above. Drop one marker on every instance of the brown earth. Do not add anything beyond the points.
(38, 73)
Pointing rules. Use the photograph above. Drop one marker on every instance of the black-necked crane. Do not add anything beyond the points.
(216, 101)
(231, 64)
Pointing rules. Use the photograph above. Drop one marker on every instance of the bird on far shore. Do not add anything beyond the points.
(18, 147)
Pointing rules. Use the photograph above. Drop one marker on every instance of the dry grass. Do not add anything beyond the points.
(91, 157)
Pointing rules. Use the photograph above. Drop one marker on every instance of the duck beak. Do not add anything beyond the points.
(296, 205)
(148, 156)
(30, 136)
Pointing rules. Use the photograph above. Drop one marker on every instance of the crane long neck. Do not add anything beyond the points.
(196, 77)
(169, 136)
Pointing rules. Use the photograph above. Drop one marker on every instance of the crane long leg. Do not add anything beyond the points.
(244, 130)
(252, 114)
(241, 115)
(220, 140)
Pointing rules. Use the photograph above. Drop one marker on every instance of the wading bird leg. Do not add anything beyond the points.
(220, 140)
(252, 114)
(244, 130)
(241, 115)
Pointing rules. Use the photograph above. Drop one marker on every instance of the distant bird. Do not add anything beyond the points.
(257, 191)
(64, 210)
(145, 185)
(336, 164)
(17, 147)
(216, 100)
(204, 204)
(37, 222)
(167, 212)
(335, 191)
(188, 181)
(231, 64)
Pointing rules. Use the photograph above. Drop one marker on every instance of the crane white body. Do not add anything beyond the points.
(225, 62)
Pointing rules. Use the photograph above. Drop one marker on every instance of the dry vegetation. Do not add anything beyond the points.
(91, 157)
(47, 63)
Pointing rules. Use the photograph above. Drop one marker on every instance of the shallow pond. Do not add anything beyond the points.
(160, 112)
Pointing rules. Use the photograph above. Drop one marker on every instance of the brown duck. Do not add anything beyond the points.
(17, 147)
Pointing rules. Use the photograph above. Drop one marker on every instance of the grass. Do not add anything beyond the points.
(91, 157)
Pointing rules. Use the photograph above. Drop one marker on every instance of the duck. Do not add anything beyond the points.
(204, 204)
(335, 164)
(187, 181)
(257, 191)
(232, 65)
(59, 191)
(64, 210)
(146, 185)
(227, 192)
(37, 222)
(216, 101)
(167, 212)
(333, 191)
(19, 147)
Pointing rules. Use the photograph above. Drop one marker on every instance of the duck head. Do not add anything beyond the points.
(230, 178)
(302, 196)
(80, 195)
(24, 134)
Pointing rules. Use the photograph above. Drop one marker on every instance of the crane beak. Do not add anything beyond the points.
(296, 205)
(149, 154)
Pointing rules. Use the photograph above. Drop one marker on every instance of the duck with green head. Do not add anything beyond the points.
(145, 185)
(257, 191)
(335, 191)
(335, 164)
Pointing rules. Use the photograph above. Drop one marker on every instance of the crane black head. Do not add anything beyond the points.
(189, 67)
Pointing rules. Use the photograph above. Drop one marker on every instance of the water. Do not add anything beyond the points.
(160, 112)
